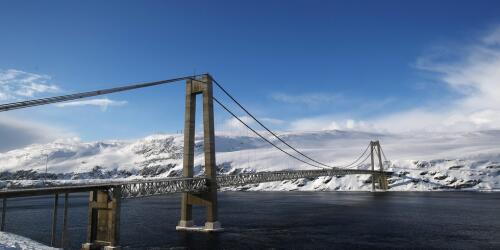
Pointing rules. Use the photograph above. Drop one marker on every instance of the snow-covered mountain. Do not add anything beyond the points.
(421, 162)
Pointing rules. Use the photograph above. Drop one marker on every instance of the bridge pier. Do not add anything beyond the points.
(103, 220)
(208, 199)
(382, 182)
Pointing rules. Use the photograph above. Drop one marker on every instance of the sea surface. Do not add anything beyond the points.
(286, 220)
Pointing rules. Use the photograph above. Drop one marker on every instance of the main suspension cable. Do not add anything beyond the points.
(70, 97)
(261, 136)
(361, 162)
(266, 128)
(355, 161)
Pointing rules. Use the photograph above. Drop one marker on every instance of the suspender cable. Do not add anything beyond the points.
(56, 99)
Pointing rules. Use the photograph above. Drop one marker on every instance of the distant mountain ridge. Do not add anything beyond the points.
(422, 162)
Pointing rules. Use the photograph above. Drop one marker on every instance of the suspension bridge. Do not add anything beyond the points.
(103, 227)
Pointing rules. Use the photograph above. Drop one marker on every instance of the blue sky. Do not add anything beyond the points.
(299, 65)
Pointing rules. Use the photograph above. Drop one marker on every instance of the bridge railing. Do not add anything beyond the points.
(162, 186)
(150, 187)
(259, 177)
(130, 189)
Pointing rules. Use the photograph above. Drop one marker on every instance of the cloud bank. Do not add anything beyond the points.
(17, 84)
(19, 133)
(103, 103)
(232, 125)
(472, 72)
(310, 99)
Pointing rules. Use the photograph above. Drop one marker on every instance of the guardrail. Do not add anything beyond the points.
(259, 177)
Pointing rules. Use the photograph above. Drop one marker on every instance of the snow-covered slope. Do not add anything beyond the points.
(9, 241)
(422, 162)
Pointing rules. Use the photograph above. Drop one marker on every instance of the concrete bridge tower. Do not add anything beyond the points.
(381, 179)
(201, 85)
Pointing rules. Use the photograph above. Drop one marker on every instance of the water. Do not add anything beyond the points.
(290, 220)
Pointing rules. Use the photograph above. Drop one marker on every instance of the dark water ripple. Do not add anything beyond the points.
(290, 220)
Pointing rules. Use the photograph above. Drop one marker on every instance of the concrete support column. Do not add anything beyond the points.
(382, 178)
(103, 231)
(188, 159)
(209, 150)
(372, 164)
(384, 185)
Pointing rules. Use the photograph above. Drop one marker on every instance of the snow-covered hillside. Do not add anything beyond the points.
(9, 241)
(421, 162)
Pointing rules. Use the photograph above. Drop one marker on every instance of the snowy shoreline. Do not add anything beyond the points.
(13, 241)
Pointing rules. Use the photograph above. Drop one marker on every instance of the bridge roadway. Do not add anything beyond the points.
(161, 186)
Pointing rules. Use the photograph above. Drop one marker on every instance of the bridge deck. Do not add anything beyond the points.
(259, 177)
(149, 187)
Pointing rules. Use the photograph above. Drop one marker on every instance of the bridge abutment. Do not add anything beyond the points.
(209, 198)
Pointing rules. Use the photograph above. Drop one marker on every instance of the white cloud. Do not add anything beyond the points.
(103, 103)
(310, 99)
(17, 84)
(318, 101)
(493, 38)
(17, 133)
(473, 72)
(20, 85)
(271, 121)
(233, 125)
(329, 123)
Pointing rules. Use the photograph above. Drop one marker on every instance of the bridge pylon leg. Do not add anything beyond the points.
(103, 231)
(372, 148)
(383, 184)
(208, 199)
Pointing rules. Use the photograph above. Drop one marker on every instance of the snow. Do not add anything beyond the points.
(9, 241)
(421, 162)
